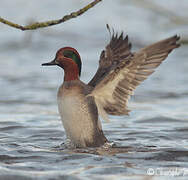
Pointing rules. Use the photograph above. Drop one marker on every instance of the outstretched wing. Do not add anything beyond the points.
(116, 51)
(112, 93)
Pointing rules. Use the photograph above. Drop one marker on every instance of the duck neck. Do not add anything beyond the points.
(71, 72)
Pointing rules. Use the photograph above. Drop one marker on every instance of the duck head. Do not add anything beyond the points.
(69, 59)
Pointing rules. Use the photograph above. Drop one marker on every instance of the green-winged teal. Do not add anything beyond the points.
(120, 71)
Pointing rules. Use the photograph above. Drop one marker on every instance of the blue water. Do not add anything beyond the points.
(153, 139)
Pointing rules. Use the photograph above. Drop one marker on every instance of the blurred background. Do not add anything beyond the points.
(28, 108)
(23, 80)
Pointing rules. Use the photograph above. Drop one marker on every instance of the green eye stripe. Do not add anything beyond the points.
(72, 55)
(69, 54)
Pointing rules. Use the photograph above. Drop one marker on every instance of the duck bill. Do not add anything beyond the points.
(52, 63)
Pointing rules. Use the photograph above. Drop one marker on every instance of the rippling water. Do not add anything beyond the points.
(153, 139)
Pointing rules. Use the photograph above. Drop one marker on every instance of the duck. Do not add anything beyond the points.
(119, 72)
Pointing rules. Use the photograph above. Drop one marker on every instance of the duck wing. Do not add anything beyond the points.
(116, 51)
(112, 93)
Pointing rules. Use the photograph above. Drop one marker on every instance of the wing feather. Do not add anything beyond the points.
(114, 90)
(115, 52)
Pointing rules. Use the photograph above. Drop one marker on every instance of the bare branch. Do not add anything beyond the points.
(38, 25)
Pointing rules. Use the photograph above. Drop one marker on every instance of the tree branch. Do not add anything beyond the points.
(38, 25)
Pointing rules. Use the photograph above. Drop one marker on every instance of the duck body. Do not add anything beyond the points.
(119, 73)
(79, 114)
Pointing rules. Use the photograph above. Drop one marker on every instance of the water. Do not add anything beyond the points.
(153, 139)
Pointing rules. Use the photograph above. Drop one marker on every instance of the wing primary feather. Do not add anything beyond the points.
(108, 27)
(117, 51)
